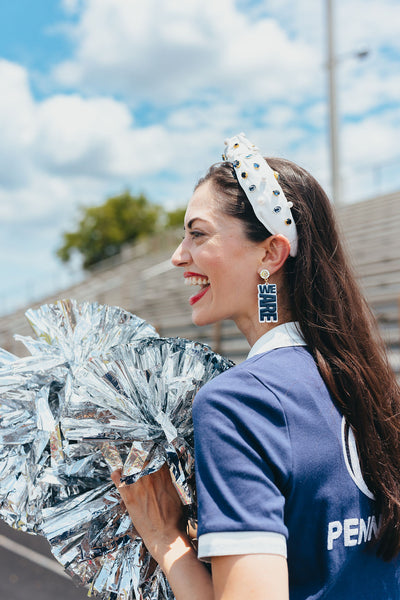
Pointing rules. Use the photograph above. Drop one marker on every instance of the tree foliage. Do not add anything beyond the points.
(175, 218)
(103, 230)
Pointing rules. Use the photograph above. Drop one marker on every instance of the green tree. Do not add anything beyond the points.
(175, 218)
(103, 230)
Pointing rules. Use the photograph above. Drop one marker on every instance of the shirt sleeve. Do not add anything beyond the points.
(243, 466)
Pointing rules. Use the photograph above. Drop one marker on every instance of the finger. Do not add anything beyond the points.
(116, 477)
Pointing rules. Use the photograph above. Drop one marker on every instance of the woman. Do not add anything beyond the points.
(297, 448)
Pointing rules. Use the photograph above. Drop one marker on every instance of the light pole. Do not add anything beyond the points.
(333, 116)
(332, 63)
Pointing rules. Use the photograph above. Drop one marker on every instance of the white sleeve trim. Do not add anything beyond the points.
(228, 543)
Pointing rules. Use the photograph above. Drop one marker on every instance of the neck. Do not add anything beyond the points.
(253, 331)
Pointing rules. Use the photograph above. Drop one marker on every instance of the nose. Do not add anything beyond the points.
(181, 256)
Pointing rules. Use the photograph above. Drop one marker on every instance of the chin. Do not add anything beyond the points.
(200, 322)
(202, 319)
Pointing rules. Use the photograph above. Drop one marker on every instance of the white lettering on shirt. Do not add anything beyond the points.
(334, 532)
(351, 532)
(350, 527)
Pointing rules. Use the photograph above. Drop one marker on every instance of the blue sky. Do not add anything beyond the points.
(23, 32)
(102, 95)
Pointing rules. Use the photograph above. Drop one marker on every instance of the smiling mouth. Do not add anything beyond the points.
(197, 280)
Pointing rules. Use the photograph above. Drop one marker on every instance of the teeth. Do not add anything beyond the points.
(196, 280)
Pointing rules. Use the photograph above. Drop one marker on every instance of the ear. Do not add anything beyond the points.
(276, 251)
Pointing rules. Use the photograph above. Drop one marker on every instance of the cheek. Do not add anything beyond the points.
(232, 279)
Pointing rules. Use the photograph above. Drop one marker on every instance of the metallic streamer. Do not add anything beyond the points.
(134, 404)
(32, 394)
(100, 391)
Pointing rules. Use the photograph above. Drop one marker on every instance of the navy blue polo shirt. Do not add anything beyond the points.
(277, 472)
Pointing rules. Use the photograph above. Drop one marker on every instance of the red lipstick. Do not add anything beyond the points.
(196, 297)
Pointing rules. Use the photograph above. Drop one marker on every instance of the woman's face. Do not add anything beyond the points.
(217, 256)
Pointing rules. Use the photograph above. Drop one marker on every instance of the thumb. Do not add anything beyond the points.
(116, 476)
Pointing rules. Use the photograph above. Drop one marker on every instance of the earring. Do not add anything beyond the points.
(267, 299)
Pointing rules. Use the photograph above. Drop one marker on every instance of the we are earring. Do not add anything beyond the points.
(267, 299)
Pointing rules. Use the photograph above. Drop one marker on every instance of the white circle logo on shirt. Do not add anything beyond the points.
(351, 459)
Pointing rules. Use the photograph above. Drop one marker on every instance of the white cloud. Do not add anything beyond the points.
(167, 52)
(16, 125)
(46, 197)
(367, 23)
(370, 156)
(96, 137)
(76, 134)
(372, 141)
(211, 70)
(364, 88)
(76, 150)
(67, 149)
(151, 89)
(71, 6)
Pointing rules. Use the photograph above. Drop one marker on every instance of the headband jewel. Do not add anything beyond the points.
(260, 184)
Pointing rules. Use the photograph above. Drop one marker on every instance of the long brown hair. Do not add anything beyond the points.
(338, 328)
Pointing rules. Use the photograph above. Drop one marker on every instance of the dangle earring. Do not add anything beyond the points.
(267, 299)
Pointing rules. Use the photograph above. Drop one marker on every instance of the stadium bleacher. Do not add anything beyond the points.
(143, 281)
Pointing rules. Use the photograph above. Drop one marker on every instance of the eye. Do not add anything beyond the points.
(196, 234)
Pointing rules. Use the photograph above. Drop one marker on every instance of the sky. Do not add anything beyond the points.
(101, 96)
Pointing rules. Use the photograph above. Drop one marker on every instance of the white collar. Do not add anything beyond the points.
(282, 336)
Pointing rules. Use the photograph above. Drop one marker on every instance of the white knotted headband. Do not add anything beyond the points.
(261, 186)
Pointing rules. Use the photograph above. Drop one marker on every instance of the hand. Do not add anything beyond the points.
(155, 509)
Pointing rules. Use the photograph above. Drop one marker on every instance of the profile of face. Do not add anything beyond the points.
(217, 256)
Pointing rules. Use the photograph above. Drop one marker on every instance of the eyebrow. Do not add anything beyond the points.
(190, 223)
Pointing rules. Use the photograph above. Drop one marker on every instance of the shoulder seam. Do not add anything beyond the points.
(290, 479)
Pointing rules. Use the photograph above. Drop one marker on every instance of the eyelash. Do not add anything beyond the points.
(194, 234)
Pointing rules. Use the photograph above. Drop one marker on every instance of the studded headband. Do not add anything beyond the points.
(260, 184)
